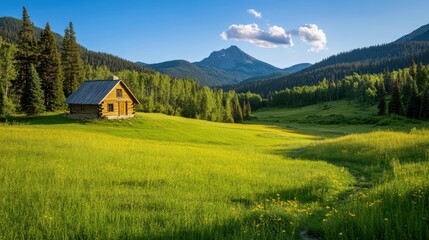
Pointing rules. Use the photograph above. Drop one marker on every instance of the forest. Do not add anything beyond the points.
(37, 74)
(406, 89)
(375, 59)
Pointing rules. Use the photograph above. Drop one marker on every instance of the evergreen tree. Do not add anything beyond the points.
(407, 89)
(395, 104)
(72, 62)
(237, 114)
(422, 78)
(424, 111)
(381, 94)
(26, 57)
(33, 94)
(413, 108)
(2, 101)
(50, 71)
(249, 109)
(7, 75)
(244, 110)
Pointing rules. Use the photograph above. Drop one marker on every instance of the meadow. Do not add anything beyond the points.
(165, 177)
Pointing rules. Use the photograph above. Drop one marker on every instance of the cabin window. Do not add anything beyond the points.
(118, 93)
(81, 107)
(110, 107)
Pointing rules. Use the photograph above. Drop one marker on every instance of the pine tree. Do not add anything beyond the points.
(422, 78)
(244, 110)
(395, 104)
(381, 94)
(50, 71)
(424, 111)
(7, 75)
(414, 104)
(26, 57)
(72, 62)
(2, 101)
(33, 94)
(249, 109)
(237, 114)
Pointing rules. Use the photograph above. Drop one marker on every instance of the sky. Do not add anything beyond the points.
(279, 32)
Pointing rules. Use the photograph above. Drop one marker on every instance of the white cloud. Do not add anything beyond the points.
(255, 13)
(274, 37)
(315, 37)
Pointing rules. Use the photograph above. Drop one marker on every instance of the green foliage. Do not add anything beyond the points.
(26, 57)
(10, 27)
(7, 75)
(50, 71)
(395, 104)
(72, 62)
(33, 94)
(381, 95)
(375, 59)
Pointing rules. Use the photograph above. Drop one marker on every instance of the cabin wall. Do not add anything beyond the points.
(84, 111)
(122, 106)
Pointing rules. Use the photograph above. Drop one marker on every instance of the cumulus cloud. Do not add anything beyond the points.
(255, 13)
(314, 36)
(275, 36)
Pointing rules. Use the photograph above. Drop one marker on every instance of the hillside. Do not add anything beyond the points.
(421, 31)
(164, 174)
(223, 67)
(375, 59)
(286, 71)
(238, 63)
(10, 27)
(185, 69)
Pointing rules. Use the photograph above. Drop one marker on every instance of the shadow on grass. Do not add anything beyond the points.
(276, 223)
(51, 119)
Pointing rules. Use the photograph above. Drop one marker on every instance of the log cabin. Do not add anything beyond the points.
(102, 99)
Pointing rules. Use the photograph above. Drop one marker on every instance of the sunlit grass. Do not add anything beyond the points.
(163, 177)
(153, 177)
(394, 202)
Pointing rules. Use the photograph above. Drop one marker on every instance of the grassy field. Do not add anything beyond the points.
(163, 177)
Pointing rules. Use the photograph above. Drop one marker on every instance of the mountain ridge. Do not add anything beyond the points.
(227, 66)
(374, 59)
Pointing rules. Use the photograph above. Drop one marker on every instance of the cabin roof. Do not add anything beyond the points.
(94, 91)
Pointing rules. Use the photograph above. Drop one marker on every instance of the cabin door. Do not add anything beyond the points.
(121, 109)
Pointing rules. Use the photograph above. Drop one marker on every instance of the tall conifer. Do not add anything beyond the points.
(33, 94)
(50, 71)
(26, 57)
(395, 104)
(414, 104)
(381, 95)
(72, 63)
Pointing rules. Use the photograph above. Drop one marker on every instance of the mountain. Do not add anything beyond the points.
(297, 67)
(238, 63)
(10, 27)
(185, 69)
(227, 66)
(392, 56)
(419, 33)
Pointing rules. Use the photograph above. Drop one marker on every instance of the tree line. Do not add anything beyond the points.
(10, 28)
(374, 59)
(37, 77)
(402, 92)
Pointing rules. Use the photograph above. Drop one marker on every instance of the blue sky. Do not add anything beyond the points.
(159, 30)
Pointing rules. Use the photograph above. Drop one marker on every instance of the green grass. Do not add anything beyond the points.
(334, 119)
(163, 177)
(156, 177)
(394, 201)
